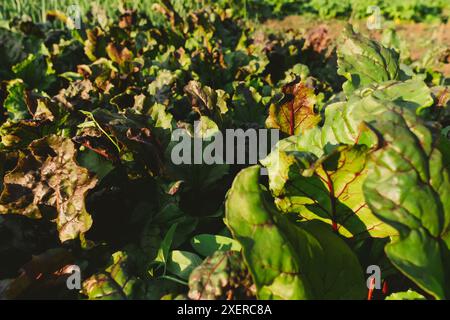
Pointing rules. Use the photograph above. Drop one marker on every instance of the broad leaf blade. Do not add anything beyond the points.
(300, 267)
(329, 189)
(182, 263)
(207, 244)
(408, 186)
(363, 61)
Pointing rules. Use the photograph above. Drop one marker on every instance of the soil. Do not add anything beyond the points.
(419, 37)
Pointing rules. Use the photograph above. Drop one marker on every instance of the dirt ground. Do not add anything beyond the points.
(418, 37)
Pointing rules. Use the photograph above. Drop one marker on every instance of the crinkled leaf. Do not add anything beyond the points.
(117, 54)
(47, 175)
(161, 88)
(95, 45)
(79, 95)
(207, 101)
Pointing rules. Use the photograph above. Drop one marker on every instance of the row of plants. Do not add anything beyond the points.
(405, 10)
(359, 179)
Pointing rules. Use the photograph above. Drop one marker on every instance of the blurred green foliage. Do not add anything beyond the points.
(407, 10)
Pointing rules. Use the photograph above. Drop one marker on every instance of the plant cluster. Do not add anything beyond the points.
(405, 10)
(360, 178)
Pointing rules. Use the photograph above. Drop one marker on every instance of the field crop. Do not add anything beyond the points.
(170, 150)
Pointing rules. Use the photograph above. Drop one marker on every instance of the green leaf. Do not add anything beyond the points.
(16, 101)
(163, 122)
(308, 260)
(362, 61)
(411, 94)
(162, 118)
(162, 288)
(95, 163)
(406, 295)
(207, 244)
(408, 187)
(19, 134)
(345, 121)
(197, 176)
(36, 72)
(161, 88)
(223, 275)
(115, 283)
(47, 175)
(328, 189)
(164, 249)
(134, 132)
(181, 263)
(95, 45)
(249, 106)
(12, 51)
